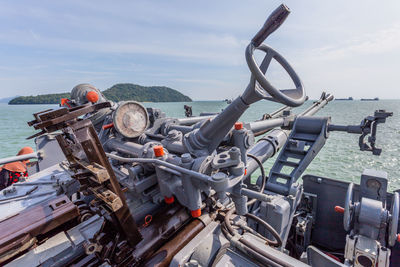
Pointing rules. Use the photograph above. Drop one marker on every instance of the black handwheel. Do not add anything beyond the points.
(292, 97)
(394, 220)
(348, 208)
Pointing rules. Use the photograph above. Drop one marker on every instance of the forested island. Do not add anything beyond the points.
(118, 92)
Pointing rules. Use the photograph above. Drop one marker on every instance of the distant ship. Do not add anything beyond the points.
(343, 99)
(370, 99)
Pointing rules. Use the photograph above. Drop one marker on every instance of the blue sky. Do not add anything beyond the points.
(348, 48)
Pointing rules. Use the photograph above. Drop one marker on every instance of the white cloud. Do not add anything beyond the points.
(381, 42)
(196, 47)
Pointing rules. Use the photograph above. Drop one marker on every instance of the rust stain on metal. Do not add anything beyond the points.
(40, 219)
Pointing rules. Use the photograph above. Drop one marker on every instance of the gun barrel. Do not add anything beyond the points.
(316, 106)
(260, 126)
(279, 112)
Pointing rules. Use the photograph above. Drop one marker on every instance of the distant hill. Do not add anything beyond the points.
(39, 99)
(118, 92)
(129, 91)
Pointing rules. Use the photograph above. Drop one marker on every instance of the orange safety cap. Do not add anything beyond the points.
(108, 126)
(64, 102)
(238, 125)
(196, 213)
(339, 209)
(158, 151)
(169, 200)
(92, 96)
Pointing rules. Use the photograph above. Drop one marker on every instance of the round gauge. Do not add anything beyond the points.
(130, 119)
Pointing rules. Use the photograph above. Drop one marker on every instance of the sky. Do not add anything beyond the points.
(347, 48)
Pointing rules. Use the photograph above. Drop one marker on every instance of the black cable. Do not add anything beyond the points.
(264, 177)
(278, 240)
(260, 258)
(260, 165)
(250, 245)
(251, 248)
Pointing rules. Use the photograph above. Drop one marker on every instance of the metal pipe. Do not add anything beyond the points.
(128, 148)
(33, 155)
(200, 176)
(182, 128)
(164, 255)
(346, 128)
(254, 194)
(209, 114)
(240, 246)
(272, 257)
(265, 125)
(175, 147)
(193, 120)
(36, 183)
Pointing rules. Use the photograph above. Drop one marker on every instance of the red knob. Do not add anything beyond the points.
(158, 151)
(196, 213)
(108, 126)
(339, 209)
(239, 125)
(169, 200)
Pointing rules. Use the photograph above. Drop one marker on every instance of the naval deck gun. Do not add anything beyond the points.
(148, 190)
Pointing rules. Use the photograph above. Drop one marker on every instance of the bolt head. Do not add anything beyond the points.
(234, 152)
(186, 158)
(219, 176)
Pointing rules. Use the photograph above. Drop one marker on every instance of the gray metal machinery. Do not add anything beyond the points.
(139, 188)
(373, 228)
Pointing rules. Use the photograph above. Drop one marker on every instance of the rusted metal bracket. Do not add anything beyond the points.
(19, 232)
(108, 196)
(52, 120)
(99, 173)
(84, 152)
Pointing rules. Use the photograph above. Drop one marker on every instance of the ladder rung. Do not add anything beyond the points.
(289, 163)
(282, 175)
(293, 155)
(298, 152)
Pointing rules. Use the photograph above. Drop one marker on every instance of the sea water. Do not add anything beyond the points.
(340, 158)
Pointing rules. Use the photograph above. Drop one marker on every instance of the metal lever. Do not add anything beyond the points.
(273, 22)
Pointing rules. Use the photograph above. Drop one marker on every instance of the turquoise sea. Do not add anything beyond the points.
(339, 159)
